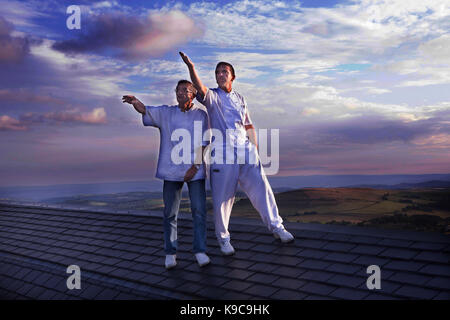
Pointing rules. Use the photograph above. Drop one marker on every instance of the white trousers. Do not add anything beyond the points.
(224, 179)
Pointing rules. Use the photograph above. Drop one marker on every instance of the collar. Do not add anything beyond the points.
(223, 91)
(187, 110)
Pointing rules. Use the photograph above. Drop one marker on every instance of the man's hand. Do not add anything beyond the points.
(138, 105)
(129, 99)
(201, 89)
(190, 173)
(186, 60)
(252, 136)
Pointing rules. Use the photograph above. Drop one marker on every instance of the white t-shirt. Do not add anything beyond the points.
(227, 111)
(228, 116)
(192, 123)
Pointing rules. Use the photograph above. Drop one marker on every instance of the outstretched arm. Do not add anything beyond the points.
(194, 76)
(137, 104)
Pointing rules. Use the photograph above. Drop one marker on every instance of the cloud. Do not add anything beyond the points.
(22, 13)
(376, 144)
(10, 124)
(131, 37)
(369, 90)
(364, 130)
(310, 111)
(430, 65)
(27, 96)
(13, 49)
(319, 39)
(96, 116)
(296, 66)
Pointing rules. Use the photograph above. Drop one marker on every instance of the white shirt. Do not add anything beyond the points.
(227, 111)
(168, 119)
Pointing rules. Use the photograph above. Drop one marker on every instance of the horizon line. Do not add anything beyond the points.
(161, 181)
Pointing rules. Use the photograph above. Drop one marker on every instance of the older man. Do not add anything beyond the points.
(168, 119)
(229, 115)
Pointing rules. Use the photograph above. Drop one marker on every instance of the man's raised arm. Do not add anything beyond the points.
(194, 76)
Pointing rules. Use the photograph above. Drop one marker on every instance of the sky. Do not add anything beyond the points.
(354, 87)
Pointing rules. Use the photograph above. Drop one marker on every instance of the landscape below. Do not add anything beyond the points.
(419, 209)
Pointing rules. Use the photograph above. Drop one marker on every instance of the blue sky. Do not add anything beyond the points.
(355, 87)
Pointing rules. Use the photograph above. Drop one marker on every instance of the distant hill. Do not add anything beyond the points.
(421, 185)
(364, 206)
(418, 206)
(278, 183)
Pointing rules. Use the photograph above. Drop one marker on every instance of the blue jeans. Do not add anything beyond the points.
(172, 198)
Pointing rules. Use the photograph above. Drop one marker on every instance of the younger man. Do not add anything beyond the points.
(228, 113)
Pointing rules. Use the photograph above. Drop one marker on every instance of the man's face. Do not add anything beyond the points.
(224, 75)
(185, 93)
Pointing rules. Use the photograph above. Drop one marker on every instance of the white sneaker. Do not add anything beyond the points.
(284, 235)
(226, 247)
(202, 259)
(171, 261)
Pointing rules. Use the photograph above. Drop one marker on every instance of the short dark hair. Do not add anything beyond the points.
(222, 63)
(188, 83)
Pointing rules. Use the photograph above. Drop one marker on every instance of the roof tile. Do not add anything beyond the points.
(349, 294)
(346, 281)
(410, 278)
(433, 257)
(236, 285)
(439, 282)
(262, 278)
(416, 292)
(436, 269)
(318, 289)
(404, 265)
(344, 268)
(261, 290)
(289, 283)
(314, 264)
(366, 249)
(286, 294)
(285, 271)
(398, 253)
(340, 257)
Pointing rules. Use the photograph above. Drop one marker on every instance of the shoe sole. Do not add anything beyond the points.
(204, 264)
(227, 253)
(284, 241)
(171, 266)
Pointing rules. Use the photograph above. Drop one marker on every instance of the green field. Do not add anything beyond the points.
(415, 209)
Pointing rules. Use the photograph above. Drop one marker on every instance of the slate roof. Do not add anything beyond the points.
(121, 257)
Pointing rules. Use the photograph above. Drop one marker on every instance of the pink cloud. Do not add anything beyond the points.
(133, 37)
(168, 30)
(96, 116)
(13, 49)
(22, 95)
(10, 124)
